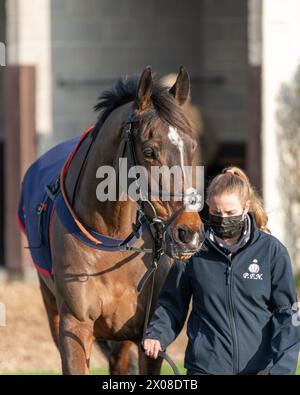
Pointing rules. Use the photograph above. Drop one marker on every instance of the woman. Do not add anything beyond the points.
(244, 300)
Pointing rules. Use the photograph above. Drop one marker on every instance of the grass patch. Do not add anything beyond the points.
(297, 281)
(166, 369)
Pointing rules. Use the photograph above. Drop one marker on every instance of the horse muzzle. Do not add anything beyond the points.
(182, 243)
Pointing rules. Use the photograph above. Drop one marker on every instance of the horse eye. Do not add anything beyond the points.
(150, 153)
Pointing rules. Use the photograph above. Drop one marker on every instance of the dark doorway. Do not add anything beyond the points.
(2, 255)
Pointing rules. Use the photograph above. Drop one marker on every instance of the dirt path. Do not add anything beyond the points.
(25, 341)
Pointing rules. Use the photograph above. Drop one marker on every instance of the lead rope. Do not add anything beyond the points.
(162, 354)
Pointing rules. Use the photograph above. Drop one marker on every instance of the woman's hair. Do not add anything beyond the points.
(233, 179)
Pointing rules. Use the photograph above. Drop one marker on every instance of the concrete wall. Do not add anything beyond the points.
(281, 58)
(28, 43)
(80, 47)
(95, 41)
(102, 40)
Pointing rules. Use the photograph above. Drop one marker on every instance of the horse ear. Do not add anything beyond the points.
(181, 89)
(144, 91)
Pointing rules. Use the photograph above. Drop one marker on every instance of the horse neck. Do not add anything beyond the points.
(112, 218)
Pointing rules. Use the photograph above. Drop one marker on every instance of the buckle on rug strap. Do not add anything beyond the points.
(53, 189)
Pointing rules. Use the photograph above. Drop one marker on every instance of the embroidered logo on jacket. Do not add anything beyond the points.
(254, 271)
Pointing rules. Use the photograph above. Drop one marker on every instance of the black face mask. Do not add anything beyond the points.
(226, 226)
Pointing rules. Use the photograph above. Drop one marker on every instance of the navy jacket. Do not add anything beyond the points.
(243, 316)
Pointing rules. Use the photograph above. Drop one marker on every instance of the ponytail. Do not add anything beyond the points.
(234, 179)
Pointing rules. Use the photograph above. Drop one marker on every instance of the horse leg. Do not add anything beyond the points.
(51, 310)
(120, 357)
(75, 341)
(147, 365)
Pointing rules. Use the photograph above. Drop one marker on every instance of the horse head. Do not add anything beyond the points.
(165, 139)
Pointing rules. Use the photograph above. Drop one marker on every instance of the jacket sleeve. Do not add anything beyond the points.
(285, 321)
(172, 306)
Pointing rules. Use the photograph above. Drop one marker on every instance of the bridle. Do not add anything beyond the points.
(157, 225)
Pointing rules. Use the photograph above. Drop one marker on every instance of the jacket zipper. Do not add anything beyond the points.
(231, 307)
(231, 316)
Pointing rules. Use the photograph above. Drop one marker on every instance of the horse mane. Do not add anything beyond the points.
(124, 91)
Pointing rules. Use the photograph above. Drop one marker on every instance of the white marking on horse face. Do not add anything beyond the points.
(176, 140)
(174, 136)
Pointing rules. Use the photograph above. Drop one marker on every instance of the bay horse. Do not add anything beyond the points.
(93, 293)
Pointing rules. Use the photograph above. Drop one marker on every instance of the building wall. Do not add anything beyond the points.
(28, 43)
(281, 58)
(107, 39)
(95, 41)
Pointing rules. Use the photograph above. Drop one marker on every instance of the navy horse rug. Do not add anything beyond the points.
(42, 195)
(35, 206)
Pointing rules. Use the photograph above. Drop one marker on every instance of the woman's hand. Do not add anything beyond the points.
(152, 347)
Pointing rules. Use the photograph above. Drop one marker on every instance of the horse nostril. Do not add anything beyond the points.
(185, 235)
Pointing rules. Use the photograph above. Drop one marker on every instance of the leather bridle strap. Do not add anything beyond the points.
(162, 353)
